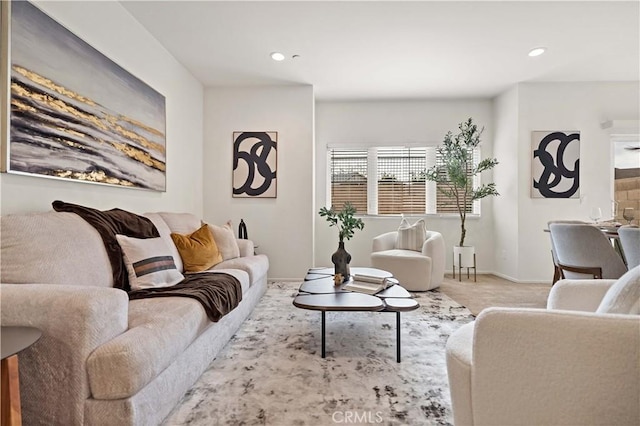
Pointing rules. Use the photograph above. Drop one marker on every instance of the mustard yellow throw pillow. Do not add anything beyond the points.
(198, 250)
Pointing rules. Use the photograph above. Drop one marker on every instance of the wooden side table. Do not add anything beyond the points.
(12, 341)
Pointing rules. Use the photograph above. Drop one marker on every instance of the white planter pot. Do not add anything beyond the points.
(463, 256)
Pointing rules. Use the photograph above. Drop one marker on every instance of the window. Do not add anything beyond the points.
(401, 180)
(388, 181)
(348, 170)
(626, 174)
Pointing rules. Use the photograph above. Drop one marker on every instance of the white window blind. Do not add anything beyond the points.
(391, 181)
(348, 168)
(401, 180)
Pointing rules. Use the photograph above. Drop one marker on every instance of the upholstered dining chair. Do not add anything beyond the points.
(630, 241)
(557, 274)
(582, 251)
(416, 270)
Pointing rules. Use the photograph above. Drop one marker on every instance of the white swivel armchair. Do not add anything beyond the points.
(574, 363)
(415, 270)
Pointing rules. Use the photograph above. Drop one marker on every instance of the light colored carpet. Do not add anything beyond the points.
(490, 290)
(271, 371)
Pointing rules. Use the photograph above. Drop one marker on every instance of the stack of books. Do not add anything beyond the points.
(368, 284)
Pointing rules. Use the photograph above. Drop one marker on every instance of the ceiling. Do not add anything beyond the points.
(367, 50)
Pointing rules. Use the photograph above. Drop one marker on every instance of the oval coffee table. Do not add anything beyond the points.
(319, 293)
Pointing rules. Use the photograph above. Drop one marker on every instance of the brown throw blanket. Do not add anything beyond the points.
(219, 293)
(108, 224)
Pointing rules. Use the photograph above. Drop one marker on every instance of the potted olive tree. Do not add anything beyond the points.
(347, 224)
(454, 177)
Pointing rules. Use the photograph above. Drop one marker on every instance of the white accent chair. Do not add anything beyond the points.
(568, 364)
(630, 241)
(415, 270)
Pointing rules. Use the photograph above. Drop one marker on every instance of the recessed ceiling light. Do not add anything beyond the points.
(277, 56)
(537, 51)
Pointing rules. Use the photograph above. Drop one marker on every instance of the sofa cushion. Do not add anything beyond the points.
(226, 241)
(110, 223)
(411, 237)
(182, 223)
(159, 330)
(149, 262)
(256, 266)
(198, 250)
(241, 275)
(52, 248)
(397, 253)
(624, 296)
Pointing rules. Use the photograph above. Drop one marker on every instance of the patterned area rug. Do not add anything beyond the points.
(271, 371)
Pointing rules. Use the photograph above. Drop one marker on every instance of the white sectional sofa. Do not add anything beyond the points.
(104, 359)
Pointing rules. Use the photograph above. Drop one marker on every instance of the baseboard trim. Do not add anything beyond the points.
(515, 280)
(448, 274)
(273, 280)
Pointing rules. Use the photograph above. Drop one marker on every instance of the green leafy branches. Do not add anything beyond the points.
(343, 219)
(455, 172)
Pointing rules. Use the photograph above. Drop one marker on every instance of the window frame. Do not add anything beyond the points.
(372, 183)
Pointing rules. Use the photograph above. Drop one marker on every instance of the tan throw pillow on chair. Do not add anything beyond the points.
(198, 250)
(411, 237)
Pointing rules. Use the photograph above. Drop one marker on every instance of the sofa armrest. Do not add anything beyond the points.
(246, 247)
(74, 321)
(386, 241)
(536, 366)
(578, 295)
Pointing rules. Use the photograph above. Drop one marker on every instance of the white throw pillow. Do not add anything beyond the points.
(225, 240)
(149, 262)
(624, 296)
(411, 237)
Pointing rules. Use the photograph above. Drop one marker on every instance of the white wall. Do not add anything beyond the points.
(505, 175)
(379, 123)
(282, 227)
(108, 27)
(566, 106)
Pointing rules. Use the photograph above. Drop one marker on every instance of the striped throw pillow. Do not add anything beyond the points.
(149, 262)
(411, 237)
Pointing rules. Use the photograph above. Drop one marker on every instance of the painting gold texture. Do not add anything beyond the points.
(74, 113)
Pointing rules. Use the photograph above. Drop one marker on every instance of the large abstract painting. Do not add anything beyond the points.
(254, 164)
(556, 164)
(75, 114)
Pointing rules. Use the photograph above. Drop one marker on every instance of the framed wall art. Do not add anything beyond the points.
(254, 164)
(556, 164)
(74, 113)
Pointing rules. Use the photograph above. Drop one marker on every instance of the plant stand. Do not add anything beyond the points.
(460, 267)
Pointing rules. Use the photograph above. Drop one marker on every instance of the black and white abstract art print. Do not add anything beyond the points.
(75, 114)
(254, 164)
(556, 164)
